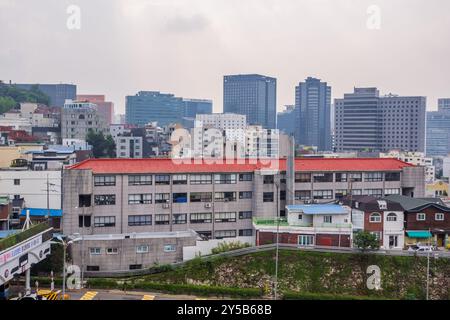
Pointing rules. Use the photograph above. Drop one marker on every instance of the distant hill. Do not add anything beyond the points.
(11, 96)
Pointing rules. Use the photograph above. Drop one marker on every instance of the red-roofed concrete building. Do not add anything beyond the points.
(216, 200)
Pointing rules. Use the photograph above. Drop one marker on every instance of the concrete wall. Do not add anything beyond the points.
(205, 247)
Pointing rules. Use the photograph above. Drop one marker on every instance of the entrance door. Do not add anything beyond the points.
(393, 241)
(440, 240)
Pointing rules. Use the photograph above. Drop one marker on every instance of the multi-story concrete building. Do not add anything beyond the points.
(153, 106)
(313, 112)
(415, 158)
(105, 108)
(252, 95)
(77, 118)
(129, 146)
(438, 132)
(133, 196)
(58, 93)
(366, 121)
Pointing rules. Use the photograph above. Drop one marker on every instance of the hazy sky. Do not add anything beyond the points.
(186, 46)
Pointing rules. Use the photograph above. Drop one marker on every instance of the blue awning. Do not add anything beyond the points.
(38, 212)
(419, 234)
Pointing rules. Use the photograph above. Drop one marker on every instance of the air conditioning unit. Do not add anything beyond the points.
(208, 205)
(166, 205)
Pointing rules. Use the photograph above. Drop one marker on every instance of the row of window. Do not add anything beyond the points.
(164, 219)
(232, 178)
(143, 248)
(375, 217)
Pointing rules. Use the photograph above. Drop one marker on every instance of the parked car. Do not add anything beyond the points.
(421, 248)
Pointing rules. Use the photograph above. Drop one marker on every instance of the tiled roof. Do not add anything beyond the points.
(175, 166)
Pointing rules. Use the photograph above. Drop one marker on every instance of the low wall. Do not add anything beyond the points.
(204, 247)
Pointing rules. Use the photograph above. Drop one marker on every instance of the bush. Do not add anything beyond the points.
(292, 295)
(229, 246)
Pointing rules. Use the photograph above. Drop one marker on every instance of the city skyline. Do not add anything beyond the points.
(198, 38)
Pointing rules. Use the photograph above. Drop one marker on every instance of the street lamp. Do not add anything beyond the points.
(65, 244)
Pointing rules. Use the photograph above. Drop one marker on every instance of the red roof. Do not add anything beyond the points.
(301, 164)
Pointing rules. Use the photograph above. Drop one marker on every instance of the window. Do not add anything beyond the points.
(245, 214)
(180, 197)
(375, 217)
(84, 220)
(302, 177)
(306, 240)
(179, 179)
(392, 217)
(200, 196)
(439, 217)
(161, 219)
(302, 195)
(140, 220)
(341, 177)
(391, 191)
(162, 179)
(340, 193)
(162, 197)
(205, 235)
(139, 180)
(201, 217)
(225, 178)
(392, 176)
(140, 198)
(225, 196)
(84, 200)
(374, 176)
(201, 179)
(105, 199)
(95, 251)
(104, 181)
(245, 232)
(356, 177)
(179, 218)
(377, 234)
(327, 219)
(135, 266)
(268, 197)
(104, 221)
(246, 177)
(245, 195)
(323, 177)
(421, 217)
(268, 179)
(374, 192)
(143, 248)
(112, 251)
(225, 217)
(170, 248)
(17, 182)
(92, 268)
(220, 234)
(323, 194)
(282, 195)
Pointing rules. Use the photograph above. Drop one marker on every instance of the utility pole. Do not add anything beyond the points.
(277, 244)
(428, 265)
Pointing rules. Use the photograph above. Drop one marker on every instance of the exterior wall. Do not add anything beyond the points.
(430, 222)
(205, 247)
(129, 147)
(127, 254)
(32, 187)
(76, 122)
(335, 240)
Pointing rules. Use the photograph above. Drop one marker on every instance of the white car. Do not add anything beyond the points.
(421, 248)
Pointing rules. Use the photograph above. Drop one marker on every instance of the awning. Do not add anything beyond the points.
(39, 212)
(418, 234)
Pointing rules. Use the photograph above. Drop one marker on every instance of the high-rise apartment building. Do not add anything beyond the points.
(438, 133)
(77, 118)
(366, 121)
(106, 108)
(252, 95)
(153, 106)
(313, 112)
(58, 93)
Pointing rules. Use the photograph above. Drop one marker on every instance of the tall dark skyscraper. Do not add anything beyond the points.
(58, 93)
(253, 95)
(313, 114)
(192, 107)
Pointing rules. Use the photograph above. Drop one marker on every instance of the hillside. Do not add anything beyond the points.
(318, 273)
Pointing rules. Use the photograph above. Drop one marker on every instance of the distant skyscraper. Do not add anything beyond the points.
(58, 93)
(313, 112)
(438, 132)
(151, 106)
(366, 121)
(444, 104)
(192, 107)
(286, 120)
(252, 95)
(105, 108)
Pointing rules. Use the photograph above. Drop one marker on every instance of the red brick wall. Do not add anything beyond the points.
(429, 223)
(374, 226)
(292, 238)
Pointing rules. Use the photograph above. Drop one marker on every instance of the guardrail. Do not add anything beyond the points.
(14, 239)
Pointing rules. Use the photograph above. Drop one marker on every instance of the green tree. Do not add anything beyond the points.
(11, 96)
(6, 104)
(102, 147)
(365, 240)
